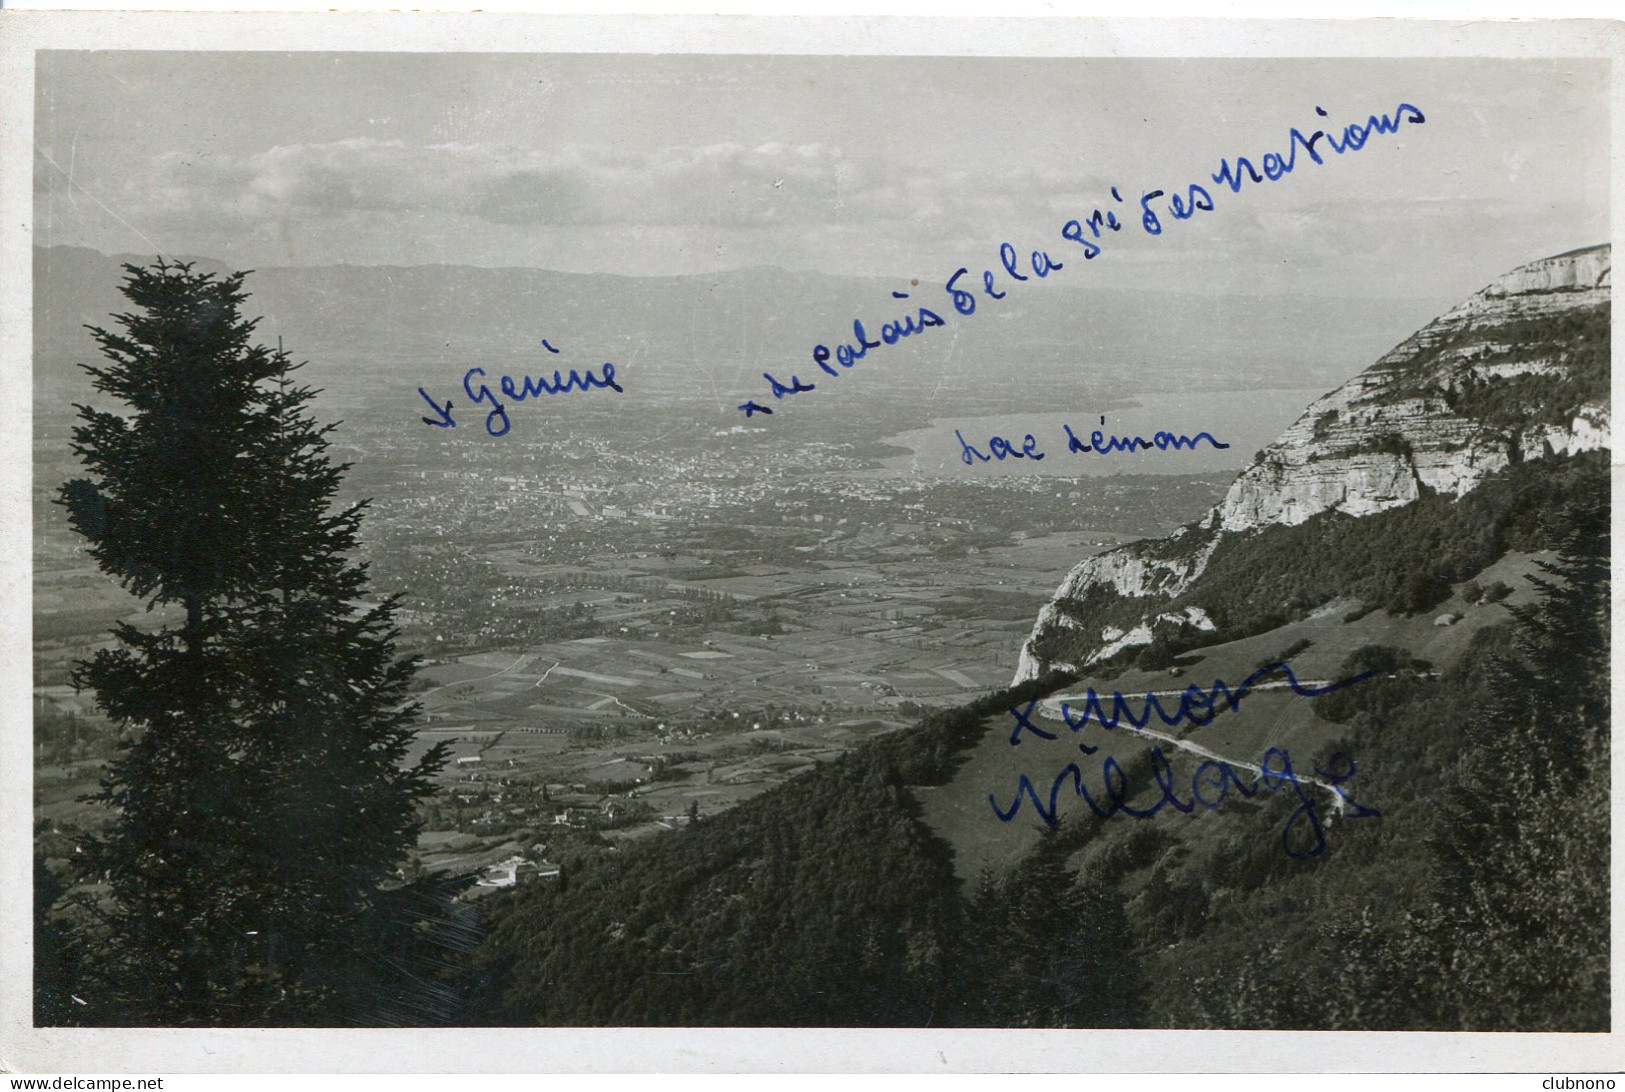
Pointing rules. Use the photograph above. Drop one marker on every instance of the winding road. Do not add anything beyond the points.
(1050, 709)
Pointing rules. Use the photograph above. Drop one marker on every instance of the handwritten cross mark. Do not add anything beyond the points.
(442, 417)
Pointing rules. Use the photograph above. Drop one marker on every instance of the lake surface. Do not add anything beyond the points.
(1246, 420)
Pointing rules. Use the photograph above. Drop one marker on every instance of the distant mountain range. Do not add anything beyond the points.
(370, 331)
(1518, 372)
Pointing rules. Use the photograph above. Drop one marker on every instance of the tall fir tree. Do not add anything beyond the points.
(264, 794)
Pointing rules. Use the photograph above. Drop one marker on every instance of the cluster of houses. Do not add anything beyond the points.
(574, 806)
(516, 870)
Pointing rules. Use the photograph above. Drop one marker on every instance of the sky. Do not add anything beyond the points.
(874, 166)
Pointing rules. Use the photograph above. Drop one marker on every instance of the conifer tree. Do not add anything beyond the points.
(1049, 948)
(263, 794)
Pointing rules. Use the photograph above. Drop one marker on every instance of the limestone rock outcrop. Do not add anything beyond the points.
(1509, 375)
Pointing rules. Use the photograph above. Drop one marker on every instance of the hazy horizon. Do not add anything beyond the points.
(854, 166)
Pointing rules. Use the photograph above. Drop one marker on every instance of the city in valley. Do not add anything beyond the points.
(619, 638)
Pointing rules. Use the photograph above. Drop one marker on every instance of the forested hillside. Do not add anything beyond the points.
(1478, 899)
(1405, 562)
(1491, 912)
(824, 903)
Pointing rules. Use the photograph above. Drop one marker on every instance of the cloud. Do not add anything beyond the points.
(728, 185)
(725, 185)
(580, 204)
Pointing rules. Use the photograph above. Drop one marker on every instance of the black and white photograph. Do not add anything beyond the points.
(904, 528)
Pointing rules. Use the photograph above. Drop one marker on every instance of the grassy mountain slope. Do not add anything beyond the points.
(1435, 859)
(882, 890)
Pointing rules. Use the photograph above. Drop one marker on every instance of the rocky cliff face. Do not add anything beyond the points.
(1518, 371)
